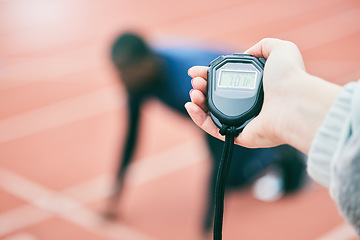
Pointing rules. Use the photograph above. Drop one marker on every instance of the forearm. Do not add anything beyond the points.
(132, 132)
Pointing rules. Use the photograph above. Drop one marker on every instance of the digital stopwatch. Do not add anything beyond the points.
(235, 96)
(235, 92)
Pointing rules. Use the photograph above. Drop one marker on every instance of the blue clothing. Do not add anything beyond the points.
(174, 91)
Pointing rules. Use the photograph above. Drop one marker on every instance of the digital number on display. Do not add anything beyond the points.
(237, 79)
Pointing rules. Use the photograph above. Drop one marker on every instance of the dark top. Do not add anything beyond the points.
(172, 91)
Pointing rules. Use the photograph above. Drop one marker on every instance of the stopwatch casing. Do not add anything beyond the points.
(235, 89)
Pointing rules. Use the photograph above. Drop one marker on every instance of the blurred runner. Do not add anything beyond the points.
(162, 74)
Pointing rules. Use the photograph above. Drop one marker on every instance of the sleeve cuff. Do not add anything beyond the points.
(329, 137)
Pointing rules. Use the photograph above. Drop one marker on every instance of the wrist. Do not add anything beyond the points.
(312, 99)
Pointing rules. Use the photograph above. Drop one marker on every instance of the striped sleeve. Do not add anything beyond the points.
(332, 135)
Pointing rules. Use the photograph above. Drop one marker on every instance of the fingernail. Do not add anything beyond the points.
(189, 70)
(191, 92)
(186, 105)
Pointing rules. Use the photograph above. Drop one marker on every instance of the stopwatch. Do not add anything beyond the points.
(235, 96)
(235, 89)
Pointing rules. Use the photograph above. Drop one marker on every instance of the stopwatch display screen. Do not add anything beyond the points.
(237, 79)
(235, 89)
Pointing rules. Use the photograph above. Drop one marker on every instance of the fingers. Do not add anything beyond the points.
(203, 120)
(251, 136)
(198, 71)
(198, 94)
(197, 108)
(199, 99)
(287, 51)
(266, 46)
(200, 84)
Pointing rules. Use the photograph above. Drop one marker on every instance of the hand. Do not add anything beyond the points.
(292, 109)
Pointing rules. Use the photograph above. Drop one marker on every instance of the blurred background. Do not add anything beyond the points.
(63, 118)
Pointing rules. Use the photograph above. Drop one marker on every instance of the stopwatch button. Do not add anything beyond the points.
(216, 60)
(242, 54)
(262, 60)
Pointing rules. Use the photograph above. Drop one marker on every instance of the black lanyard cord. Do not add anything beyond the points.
(230, 133)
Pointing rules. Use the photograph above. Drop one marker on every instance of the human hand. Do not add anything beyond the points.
(291, 111)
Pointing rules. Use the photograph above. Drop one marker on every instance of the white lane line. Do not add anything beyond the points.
(167, 162)
(341, 232)
(95, 223)
(341, 24)
(92, 56)
(91, 190)
(22, 187)
(21, 236)
(21, 217)
(55, 204)
(142, 171)
(57, 66)
(61, 113)
(247, 10)
(63, 204)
